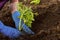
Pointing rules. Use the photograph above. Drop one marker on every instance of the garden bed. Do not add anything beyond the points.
(46, 24)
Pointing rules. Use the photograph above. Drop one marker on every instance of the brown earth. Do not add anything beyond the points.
(46, 24)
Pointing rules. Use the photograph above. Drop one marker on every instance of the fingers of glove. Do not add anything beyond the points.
(10, 32)
(27, 30)
(15, 18)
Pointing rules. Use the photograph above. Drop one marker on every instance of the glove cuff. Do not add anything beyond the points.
(16, 13)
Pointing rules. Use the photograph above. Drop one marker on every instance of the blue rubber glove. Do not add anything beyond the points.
(16, 20)
(9, 31)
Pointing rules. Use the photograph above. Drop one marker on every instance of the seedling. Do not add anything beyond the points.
(35, 2)
(26, 15)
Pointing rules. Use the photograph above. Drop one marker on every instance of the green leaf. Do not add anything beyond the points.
(26, 15)
(35, 2)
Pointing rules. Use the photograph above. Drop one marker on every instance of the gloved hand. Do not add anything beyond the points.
(9, 31)
(2, 2)
(16, 20)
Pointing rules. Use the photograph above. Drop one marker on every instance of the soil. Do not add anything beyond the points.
(46, 24)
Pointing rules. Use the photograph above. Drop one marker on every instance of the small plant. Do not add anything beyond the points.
(35, 2)
(26, 15)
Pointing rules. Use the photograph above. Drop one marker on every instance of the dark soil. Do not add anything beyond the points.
(46, 24)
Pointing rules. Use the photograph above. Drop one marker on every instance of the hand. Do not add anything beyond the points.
(9, 31)
(16, 20)
(13, 5)
(12, 1)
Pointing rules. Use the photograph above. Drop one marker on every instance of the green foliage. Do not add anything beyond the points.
(26, 15)
(35, 2)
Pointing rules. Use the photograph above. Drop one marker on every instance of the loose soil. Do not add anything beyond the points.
(46, 24)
